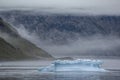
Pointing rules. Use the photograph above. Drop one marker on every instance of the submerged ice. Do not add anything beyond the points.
(74, 65)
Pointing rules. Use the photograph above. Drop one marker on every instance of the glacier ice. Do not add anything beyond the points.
(74, 65)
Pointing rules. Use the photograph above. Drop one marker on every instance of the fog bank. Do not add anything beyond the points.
(96, 7)
(83, 45)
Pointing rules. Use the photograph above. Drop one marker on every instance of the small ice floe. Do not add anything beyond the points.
(74, 65)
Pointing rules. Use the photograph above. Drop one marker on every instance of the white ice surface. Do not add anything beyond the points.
(74, 65)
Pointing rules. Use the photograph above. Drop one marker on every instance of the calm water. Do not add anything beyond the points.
(29, 71)
(36, 75)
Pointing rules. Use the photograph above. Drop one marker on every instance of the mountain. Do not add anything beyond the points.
(13, 46)
(7, 51)
(60, 28)
(69, 35)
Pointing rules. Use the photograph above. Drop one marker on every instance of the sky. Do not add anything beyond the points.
(67, 6)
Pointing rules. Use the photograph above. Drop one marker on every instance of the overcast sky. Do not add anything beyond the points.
(72, 6)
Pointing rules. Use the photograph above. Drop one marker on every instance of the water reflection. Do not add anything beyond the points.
(36, 75)
(78, 76)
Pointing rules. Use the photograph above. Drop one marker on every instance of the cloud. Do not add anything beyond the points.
(67, 6)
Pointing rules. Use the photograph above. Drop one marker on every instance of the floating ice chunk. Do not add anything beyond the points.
(74, 65)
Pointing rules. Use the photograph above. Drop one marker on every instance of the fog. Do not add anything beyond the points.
(105, 7)
(83, 46)
(76, 47)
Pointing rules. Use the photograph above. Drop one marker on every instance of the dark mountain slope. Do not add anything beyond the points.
(18, 45)
(8, 52)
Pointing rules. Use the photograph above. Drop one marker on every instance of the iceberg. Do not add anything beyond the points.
(73, 65)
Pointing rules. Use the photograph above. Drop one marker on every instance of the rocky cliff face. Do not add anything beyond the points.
(59, 28)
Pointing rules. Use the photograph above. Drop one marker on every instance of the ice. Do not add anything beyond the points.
(74, 65)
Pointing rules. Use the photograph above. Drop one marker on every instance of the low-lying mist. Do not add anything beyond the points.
(78, 47)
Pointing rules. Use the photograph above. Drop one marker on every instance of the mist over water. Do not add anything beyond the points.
(74, 47)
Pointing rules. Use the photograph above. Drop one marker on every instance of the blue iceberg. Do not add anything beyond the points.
(74, 65)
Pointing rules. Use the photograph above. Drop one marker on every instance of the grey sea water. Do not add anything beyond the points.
(36, 75)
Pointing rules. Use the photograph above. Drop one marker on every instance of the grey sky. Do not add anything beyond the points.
(72, 6)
